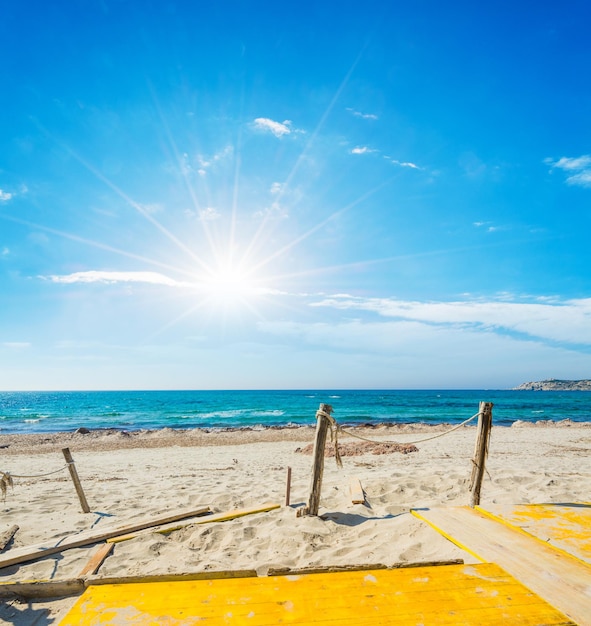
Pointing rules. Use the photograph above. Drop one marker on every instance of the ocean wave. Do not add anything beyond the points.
(271, 413)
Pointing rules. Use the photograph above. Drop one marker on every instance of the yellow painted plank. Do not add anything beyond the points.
(217, 517)
(563, 581)
(566, 527)
(480, 594)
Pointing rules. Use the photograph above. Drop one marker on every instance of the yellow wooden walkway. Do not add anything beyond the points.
(565, 527)
(555, 575)
(481, 594)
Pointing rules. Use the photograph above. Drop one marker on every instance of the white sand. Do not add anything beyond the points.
(124, 482)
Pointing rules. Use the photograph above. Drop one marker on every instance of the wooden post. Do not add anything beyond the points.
(480, 451)
(322, 426)
(76, 480)
(288, 487)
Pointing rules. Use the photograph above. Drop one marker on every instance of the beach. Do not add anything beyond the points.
(130, 476)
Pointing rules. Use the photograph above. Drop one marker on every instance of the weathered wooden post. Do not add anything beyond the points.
(480, 451)
(288, 487)
(322, 426)
(76, 480)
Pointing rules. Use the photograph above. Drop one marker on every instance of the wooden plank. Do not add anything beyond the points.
(284, 571)
(565, 527)
(40, 551)
(42, 589)
(168, 578)
(218, 517)
(97, 559)
(6, 536)
(357, 493)
(481, 594)
(560, 579)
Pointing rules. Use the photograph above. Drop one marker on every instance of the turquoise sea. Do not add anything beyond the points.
(42, 412)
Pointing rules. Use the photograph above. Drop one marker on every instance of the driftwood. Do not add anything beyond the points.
(6, 536)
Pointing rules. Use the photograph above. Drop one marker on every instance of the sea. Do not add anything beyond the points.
(63, 411)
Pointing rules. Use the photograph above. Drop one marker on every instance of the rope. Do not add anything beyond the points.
(38, 475)
(408, 443)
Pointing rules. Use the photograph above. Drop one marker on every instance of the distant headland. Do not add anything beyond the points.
(552, 384)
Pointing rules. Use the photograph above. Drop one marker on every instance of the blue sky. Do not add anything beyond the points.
(249, 195)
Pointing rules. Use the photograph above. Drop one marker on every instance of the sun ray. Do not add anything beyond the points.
(183, 247)
(318, 226)
(285, 185)
(98, 245)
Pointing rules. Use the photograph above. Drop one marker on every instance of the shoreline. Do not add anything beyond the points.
(84, 439)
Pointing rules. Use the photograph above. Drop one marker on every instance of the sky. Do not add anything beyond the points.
(263, 195)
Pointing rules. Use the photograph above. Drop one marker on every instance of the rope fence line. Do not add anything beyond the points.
(325, 422)
(61, 469)
(408, 443)
(6, 479)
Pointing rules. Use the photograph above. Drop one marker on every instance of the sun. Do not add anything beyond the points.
(229, 283)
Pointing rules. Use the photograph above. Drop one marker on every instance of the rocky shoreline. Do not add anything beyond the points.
(553, 384)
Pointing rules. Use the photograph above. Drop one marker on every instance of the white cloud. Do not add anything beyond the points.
(276, 188)
(413, 166)
(365, 116)
(276, 211)
(362, 150)
(207, 161)
(582, 179)
(17, 345)
(490, 228)
(576, 163)
(5, 251)
(209, 214)
(98, 276)
(277, 128)
(5, 196)
(566, 321)
(579, 169)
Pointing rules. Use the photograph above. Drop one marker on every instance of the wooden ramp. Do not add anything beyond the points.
(562, 580)
(565, 527)
(480, 594)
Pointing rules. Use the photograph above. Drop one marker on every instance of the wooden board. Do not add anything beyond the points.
(560, 579)
(96, 560)
(357, 494)
(565, 527)
(218, 517)
(34, 589)
(480, 594)
(41, 550)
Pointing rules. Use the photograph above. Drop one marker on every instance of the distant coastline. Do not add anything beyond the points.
(553, 384)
